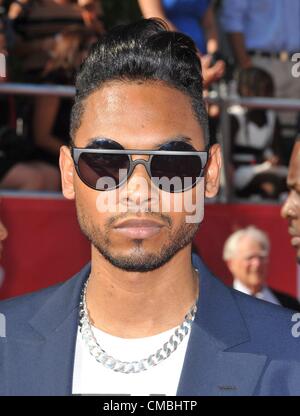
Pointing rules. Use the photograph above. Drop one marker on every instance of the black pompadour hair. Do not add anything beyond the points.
(142, 51)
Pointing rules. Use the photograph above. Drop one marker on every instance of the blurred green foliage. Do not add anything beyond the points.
(120, 11)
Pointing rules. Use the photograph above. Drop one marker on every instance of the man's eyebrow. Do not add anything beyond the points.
(184, 139)
(95, 140)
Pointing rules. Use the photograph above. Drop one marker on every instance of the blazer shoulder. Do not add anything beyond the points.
(24, 306)
(272, 328)
(252, 308)
(286, 300)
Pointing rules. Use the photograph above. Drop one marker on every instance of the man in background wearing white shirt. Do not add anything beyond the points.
(246, 253)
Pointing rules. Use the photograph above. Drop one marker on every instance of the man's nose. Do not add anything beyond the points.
(287, 210)
(139, 191)
(257, 261)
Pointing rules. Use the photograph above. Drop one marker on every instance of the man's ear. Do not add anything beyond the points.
(67, 172)
(213, 171)
(229, 265)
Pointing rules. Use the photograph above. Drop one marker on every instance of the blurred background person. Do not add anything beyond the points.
(3, 45)
(19, 169)
(3, 236)
(266, 33)
(51, 114)
(255, 140)
(36, 22)
(53, 37)
(246, 253)
(193, 17)
(196, 19)
(4, 38)
(291, 208)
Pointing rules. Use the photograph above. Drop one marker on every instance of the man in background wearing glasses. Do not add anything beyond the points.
(146, 317)
(246, 253)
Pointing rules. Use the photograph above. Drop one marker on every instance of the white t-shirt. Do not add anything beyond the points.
(91, 377)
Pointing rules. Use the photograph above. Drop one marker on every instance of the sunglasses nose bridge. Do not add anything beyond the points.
(143, 162)
(139, 192)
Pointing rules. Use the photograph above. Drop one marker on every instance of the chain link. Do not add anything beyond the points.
(133, 366)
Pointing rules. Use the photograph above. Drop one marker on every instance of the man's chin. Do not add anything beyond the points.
(140, 258)
(297, 254)
(257, 281)
(141, 263)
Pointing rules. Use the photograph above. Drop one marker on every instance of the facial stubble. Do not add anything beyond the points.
(139, 259)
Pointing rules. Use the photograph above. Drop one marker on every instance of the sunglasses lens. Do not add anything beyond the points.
(171, 173)
(103, 172)
(175, 173)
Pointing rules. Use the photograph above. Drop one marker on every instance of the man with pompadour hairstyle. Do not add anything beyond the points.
(145, 317)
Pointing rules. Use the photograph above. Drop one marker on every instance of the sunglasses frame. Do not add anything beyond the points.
(77, 151)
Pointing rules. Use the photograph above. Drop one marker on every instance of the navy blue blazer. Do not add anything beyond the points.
(238, 345)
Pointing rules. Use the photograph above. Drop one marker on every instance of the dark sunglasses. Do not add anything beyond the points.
(170, 170)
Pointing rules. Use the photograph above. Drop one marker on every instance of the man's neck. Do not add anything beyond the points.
(248, 289)
(136, 305)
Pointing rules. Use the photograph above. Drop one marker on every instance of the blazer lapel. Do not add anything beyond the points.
(46, 351)
(210, 368)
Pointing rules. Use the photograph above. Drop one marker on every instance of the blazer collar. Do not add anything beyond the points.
(210, 368)
(218, 314)
(63, 302)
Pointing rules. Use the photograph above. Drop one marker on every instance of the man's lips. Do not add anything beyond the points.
(295, 240)
(138, 229)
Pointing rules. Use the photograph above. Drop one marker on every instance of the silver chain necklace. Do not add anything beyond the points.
(132, 366)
